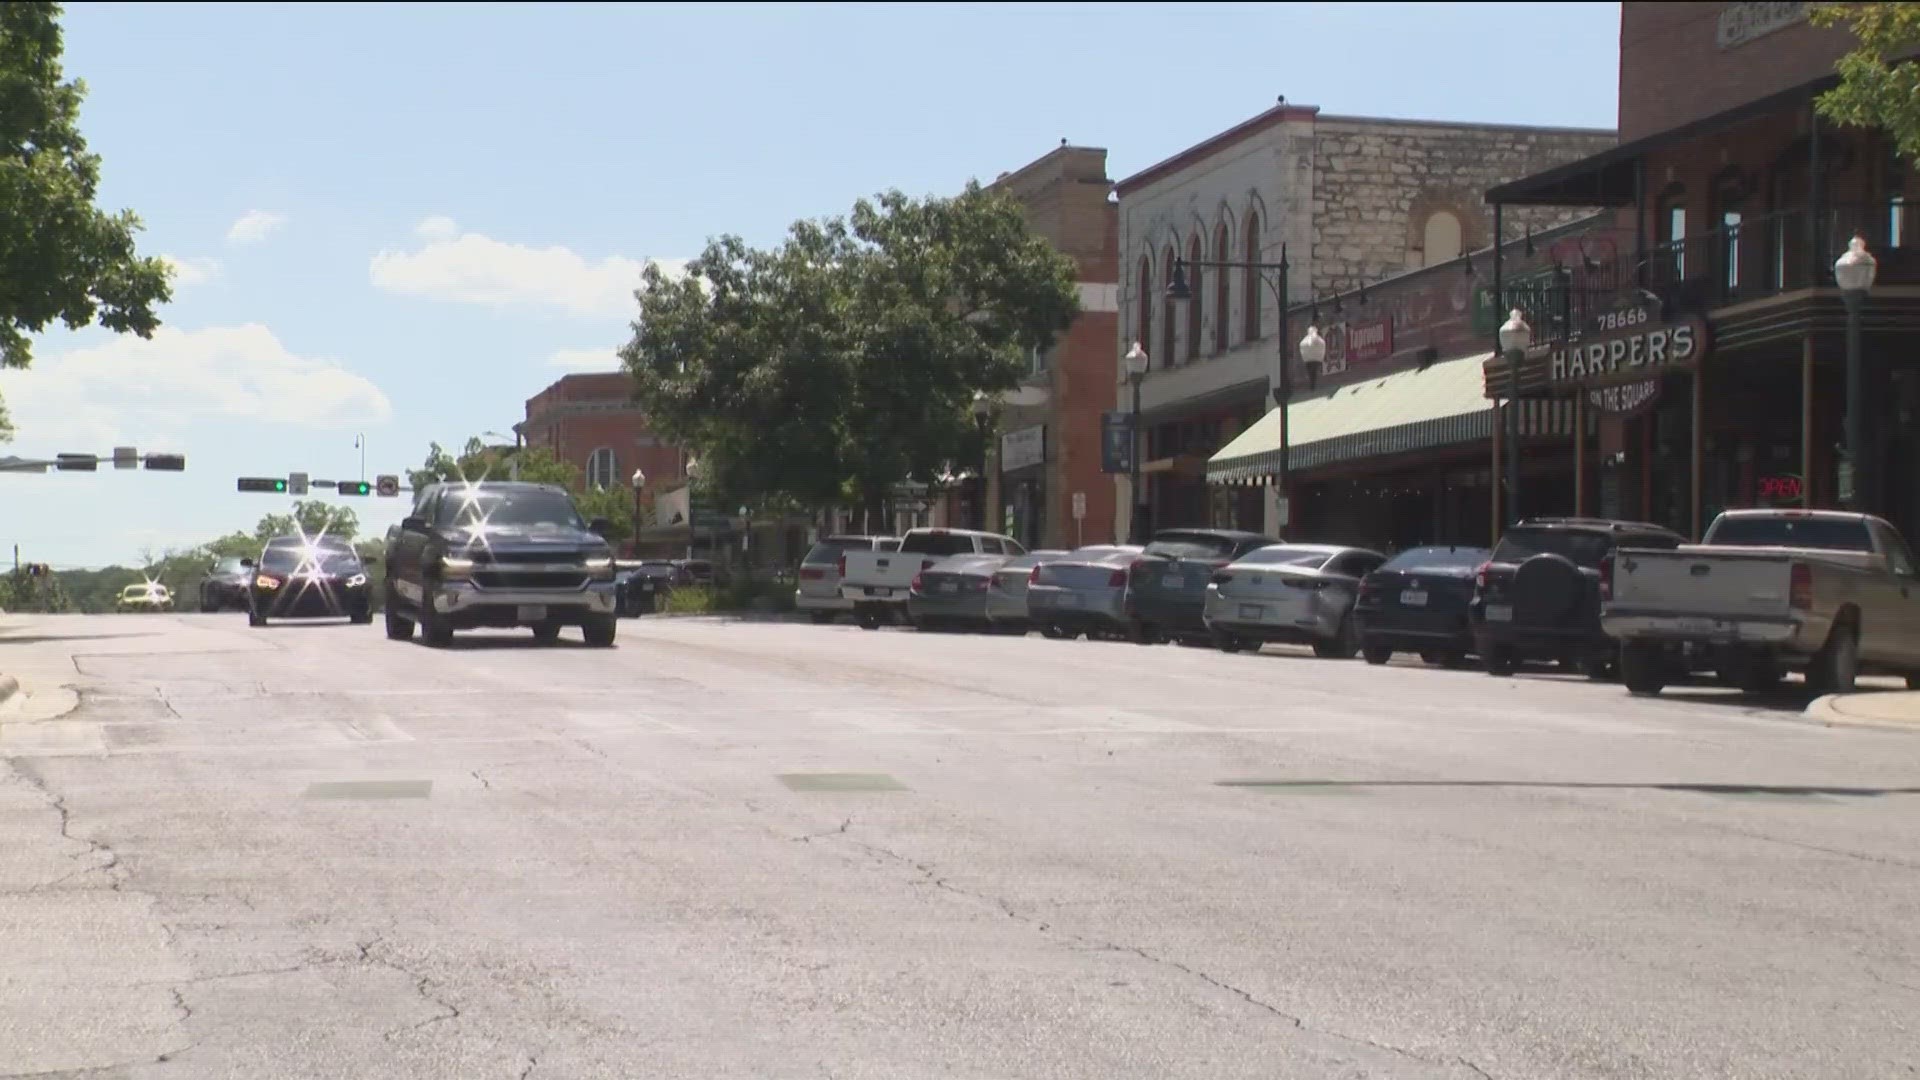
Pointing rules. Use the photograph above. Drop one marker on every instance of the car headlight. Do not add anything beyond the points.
(266, 582)
(356, 581)
(454, 567)
(600, 568)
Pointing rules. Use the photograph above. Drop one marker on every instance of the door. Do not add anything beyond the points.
(406, 565)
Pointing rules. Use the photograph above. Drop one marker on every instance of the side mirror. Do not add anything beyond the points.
(413, 523)
(369, 560)
(246, 564)
(598, 526)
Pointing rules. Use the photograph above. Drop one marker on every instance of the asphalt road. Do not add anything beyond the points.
(730, 849)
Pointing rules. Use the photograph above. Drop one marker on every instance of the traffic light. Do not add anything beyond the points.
(353, 487)
(76, 463)
(272, 485)
(167, 463)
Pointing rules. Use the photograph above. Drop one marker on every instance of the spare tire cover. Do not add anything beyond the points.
(1547, 590)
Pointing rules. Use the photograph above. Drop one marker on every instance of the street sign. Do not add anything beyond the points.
(1079, 506)
(297, 483)
(1116, 442)
(272, 485)
(126, 457)
(387, 486)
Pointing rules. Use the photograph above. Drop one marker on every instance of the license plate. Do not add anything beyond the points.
(1069, 600)
(1251, 611)
(949, 586)
(532, 612)
(1696, 626)
(1413, 597)
(879, 592)
(1174, 581)
(1499, 612)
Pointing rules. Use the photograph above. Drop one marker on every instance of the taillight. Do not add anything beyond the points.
(1117, 579)
(1134, 568)
(978, 584)
(841, 566)
(1480, 576)
(1800, 588)
(1606, 578)
(811, 573)
(1033, 576)
(919, 583)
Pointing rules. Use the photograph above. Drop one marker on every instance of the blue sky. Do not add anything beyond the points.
(403, 221)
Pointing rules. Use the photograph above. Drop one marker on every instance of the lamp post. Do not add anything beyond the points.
(693, 475)
(1177, 289)
(360, 444)
(639, 481)
(982, 417)
(1515, 336)
(1854, 272)
(1135, 363)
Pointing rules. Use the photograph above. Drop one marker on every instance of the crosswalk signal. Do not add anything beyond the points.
(354, 487)
(272, 485)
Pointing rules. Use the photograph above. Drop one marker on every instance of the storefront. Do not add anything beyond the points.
(1023, 484)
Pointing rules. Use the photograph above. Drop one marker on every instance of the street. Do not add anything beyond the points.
(767, 849)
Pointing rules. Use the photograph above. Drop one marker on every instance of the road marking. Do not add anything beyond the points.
(813, 782)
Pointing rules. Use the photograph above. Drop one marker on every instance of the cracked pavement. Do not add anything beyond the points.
(305, 851)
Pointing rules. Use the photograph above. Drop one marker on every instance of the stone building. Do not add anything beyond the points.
(1350, 200)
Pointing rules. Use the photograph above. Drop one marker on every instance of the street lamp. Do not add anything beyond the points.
(1135, 364)
(1515, 336)
(639, 481)
(693, 475)
(982, 416)
(1854, 272)
(1313, 354)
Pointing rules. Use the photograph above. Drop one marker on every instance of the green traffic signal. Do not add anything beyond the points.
(353, 487)
(274, 484)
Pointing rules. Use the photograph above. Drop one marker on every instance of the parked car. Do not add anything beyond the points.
(1417, 601)
(1765, 592)
(640, 587)
(1084, 592)
(818, 591)
(298, 577)
(1007, 592)
(144, 596)
(693, 572)
(878, 581)
(1167, 589)
(1301, 594)
(225, 587)
(952, 593)
(1538, 596)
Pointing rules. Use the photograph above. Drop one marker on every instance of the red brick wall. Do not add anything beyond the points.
(574, 438)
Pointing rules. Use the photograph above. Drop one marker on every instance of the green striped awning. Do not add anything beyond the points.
(1442, 404)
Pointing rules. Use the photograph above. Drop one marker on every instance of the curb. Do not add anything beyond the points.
(1826, 710)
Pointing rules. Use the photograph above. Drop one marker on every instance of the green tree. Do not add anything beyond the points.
(61, 257)
(310, 517)
(847, 359)
(612, 503)
(479, 461)
(1875, 90)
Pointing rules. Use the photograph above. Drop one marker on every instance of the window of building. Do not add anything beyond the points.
(1730, 249)
(1196, 308)
(1222, 297)
(1251, 290)
(1167, 312)
(1143, 300)
(602, 469)
(1440, 240)
(1039, 360)
(1896, 220)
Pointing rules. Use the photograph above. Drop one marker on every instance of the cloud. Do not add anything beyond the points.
(190, 272)
(473, 269)
(585, 360)
(150, 392)
(255, 226)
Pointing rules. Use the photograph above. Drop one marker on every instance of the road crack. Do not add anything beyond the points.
(484, 782)
(811, 837)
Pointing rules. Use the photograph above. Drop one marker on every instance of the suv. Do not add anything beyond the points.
(818, 592)
(499, 554)
(1538, 596)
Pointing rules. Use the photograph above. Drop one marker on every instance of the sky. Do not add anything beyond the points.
(399, 222)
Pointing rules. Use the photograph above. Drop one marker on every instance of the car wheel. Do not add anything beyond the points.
(1643, 669)
(1600, 665)
(822, 618)
(546, 633)
(435, 631)
(1500, 661)
(1344, 645)
(399, 627)
(867, 620)
(1377, 654)
(1141, 633)
(1052, 631)
(254, 618)
(1227, 643)
(1837, 664)
(600, 630)
(1913, 682)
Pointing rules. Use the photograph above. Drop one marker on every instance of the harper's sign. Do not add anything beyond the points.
(1024, 448)
(1741, 23)
(1624, 399)
(1628, 353)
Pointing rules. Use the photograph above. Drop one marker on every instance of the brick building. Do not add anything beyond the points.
(591, 421)
(1350, 200)
(1731, 198)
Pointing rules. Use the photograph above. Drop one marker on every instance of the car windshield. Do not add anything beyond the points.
(290, 558)
(1287, 555)
(229, 566)
(829, 550)
(1032, 559)
(1828, 534)
(1435, 560)
(936, 543)
(524, 509)
(1581, 548)
(1190, 546)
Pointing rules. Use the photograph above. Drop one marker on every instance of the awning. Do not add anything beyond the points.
(1409, 410)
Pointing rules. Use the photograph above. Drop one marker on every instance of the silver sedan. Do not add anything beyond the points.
(1007, 592)
(952, 593)
(1301, 594)
(1083, 593)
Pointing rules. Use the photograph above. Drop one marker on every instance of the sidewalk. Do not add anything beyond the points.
(1899, 709)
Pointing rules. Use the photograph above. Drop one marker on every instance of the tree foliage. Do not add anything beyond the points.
(478, 461)
(1875, 90)
(847, 359)
(310, 517)
(62, 258)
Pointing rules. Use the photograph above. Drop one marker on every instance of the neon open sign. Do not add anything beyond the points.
(1784, 488)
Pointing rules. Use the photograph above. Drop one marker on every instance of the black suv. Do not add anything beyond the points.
(499, 554)
(227, 585)
(1538, 597)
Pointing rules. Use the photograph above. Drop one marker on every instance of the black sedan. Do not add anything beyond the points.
(225, 588)
(296, 578)
(1417, 602)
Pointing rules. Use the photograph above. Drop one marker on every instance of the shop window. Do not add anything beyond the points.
(1168, 311)
(1143, 303)
(1440, 240)
(602, 468)
(1251, 289)
(1039, 361)
(1222, 295)
(1196, 308)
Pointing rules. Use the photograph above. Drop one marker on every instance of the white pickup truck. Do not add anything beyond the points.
(1824, 592)
(878, 581)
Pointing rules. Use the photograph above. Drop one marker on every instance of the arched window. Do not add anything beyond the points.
(1143, 302)
(1440, 241)
(602, 470)
(1196, 309)
(1252, 291)
(1222, 295)
(1167, 312)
